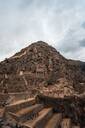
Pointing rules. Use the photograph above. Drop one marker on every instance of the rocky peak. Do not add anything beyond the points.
(39, 65)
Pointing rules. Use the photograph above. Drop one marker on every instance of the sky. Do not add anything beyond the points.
(60, 23)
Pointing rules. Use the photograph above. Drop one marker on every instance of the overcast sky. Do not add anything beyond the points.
(61, 23)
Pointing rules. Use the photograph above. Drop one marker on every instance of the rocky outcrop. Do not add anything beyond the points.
(39, 67)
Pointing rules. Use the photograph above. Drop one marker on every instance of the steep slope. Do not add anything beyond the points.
(40, 67)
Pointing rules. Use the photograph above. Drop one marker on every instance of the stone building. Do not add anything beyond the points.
(41, 70)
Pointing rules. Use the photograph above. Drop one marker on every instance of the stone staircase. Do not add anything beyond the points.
(55, 121)
(32, 114)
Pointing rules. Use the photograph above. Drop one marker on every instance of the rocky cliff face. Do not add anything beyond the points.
(40, 67)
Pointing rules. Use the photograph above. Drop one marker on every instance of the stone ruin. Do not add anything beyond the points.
(44, 112)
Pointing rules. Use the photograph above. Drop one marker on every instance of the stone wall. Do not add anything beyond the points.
(71, 107)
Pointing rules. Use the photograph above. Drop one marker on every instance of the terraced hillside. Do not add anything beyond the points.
(39, 68)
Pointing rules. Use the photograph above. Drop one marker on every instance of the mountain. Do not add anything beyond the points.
(39, 68)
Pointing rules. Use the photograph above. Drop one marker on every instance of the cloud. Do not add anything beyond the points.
(73, 44)
(82, 43)
(83, 25)
(61, 23)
